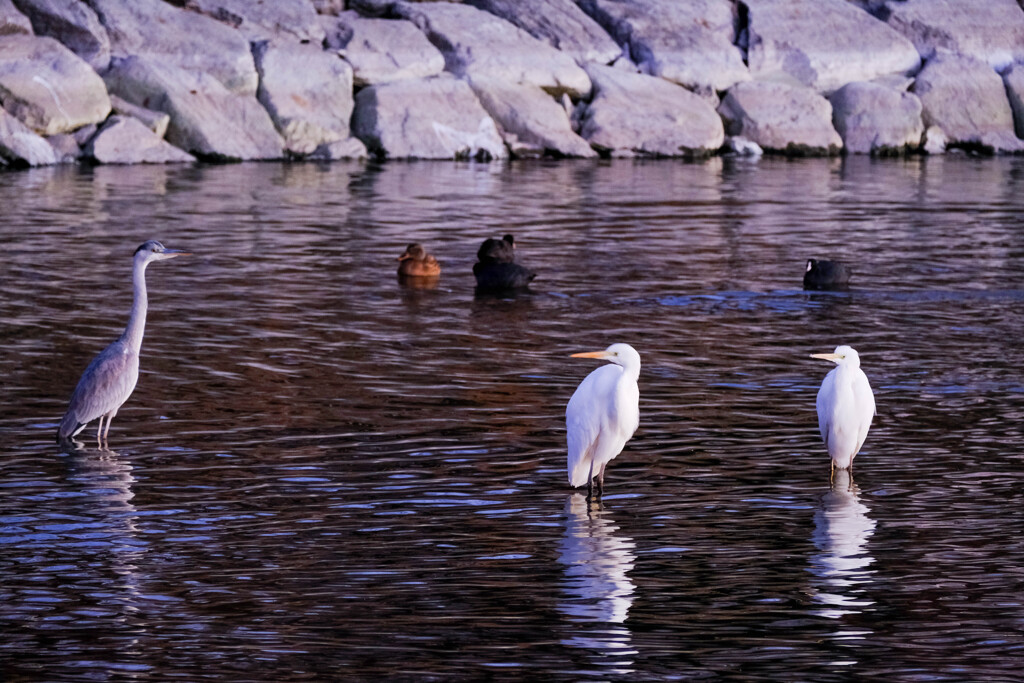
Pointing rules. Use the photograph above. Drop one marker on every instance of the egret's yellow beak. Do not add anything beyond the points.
(834, 357)
(591, 354)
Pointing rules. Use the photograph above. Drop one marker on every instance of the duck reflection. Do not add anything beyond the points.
(841, 532)
(597, 586)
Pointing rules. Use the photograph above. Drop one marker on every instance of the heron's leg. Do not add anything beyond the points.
(600, 481)
(99, 430)
(110, 418)
(832, 474)
(590, 482)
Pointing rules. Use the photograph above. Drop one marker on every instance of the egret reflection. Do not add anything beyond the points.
(597, 588)
(841, 532)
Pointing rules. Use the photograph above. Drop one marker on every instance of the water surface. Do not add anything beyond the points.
(326, 475)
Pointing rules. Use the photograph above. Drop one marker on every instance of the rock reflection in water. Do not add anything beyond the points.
(597, 586)
(841, 532)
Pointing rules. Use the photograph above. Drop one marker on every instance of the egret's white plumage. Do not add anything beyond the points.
(845, 406)
(602, 414)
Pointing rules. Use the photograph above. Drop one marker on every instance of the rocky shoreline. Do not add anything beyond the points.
(154, 81)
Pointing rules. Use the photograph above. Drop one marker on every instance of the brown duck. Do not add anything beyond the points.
(416, 262)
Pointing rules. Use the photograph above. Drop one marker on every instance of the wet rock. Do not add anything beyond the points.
(12, 21)
(1013, 79)
(966, 98)
(72, 23)
(689, 43)
(875, 119)
(174, 37)
(349, 148)
(126, 140)
(65, 148)
(84, 134)
(531, 122)
(307, 91)
(482, 47)
(19, 146)
(823, 44)
(47, 86)
(382, 50)
(156, 121)
(992, 31)
(780, 117)
(635, 114)
(207, 120)
(560, 23)
(433, 118)
(289, 20)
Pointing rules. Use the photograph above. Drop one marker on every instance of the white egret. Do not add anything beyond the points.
(845, 406)
(110, 378)
(602, 415)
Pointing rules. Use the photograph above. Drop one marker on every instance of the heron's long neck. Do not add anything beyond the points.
(137, 321)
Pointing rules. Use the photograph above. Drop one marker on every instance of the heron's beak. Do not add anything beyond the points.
(171, 253)
(834, 357)
(591, 354)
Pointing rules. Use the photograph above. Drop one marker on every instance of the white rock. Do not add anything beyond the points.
(780, 117)
(156, 121)
(1013, 79)
(532, 123)
(126, 140)
(382, 50)
(206, 119)
(329, 7)
(74, 24)
(560, 23)
(434, 118)
(12, 21)
(308, 93)
(741, 146)
(992, 31)
(874, 119)
(174, 37)
(635, 114)
(289, 20)
(687, 42)
(966, 98)
(19, 146)
(349, 148)
(934, 140)
(65, 148)
(824, 44)
(482, 47)
(47, 86)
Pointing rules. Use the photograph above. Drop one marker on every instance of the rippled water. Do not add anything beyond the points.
(326, 475)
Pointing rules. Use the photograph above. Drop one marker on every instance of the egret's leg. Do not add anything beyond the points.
(590, 482)
(110, 418)
(600, 481)
(832, 474)
(99, 430)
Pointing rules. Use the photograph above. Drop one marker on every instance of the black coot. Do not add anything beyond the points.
(496, 268)
(824, 275)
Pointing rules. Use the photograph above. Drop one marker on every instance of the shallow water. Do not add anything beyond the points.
(323, 474)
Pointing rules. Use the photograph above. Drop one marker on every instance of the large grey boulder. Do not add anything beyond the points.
(781, 117)
(74, 24)
(207, 120)
(289, 20)
(349, 148)
(690, 43)
(823, 44)
(966, 98)
(634, 114)
(1013, 79)
(433, 118)
(992, 31)
(382, 50)
(531, 122)
(308, 93)
(156, 121)
(561, 23)
(12, 21)
(876, 119)
(126, 140)
(483, 47)
(19, 146)
(174, 37)
(47, 86)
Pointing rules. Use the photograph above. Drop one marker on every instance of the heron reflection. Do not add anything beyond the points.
(841, 532)
(597, 588)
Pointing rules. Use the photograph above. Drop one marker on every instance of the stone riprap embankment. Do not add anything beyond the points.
(165, 81)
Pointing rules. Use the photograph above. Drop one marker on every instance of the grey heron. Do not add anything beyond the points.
(110, 378)
(602, 415)
(846, 406)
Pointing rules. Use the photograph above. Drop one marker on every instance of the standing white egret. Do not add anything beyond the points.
(845, 406)
(602, 415)
(110, 378)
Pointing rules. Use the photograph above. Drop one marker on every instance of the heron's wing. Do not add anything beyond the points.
(824, 405)
(864, 399)
(105, 385)
(590, 409)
